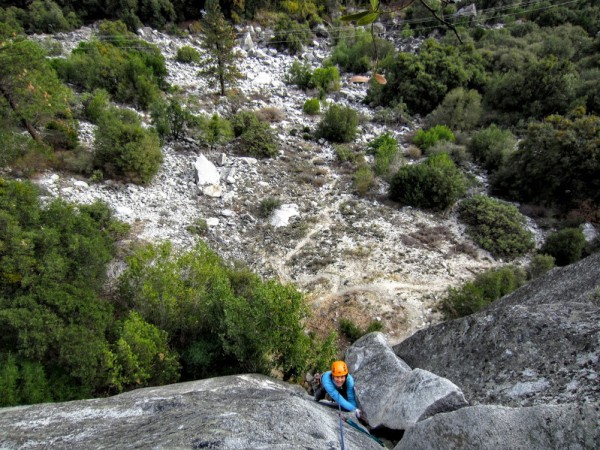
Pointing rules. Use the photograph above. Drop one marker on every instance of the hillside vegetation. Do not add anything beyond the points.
(513, 91)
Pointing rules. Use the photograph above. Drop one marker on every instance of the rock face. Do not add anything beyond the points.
(237, 412)
(538, 345)
(390, 393)
(500, 427)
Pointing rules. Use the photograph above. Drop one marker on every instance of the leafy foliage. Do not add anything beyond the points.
(300, 74)
(557, 163)
(290, 35)
(541, 88)
(427, 138)
(255, 138)
(435, 184)
(339, 124)
(130, 69)
(215, 130)
(187, 54)
(326, 80)
(422, 80)
(31, 94)
(53, 265)
(496, 226)
(565, 246)
(124, 149)
(170, 118)
(206, 307)
(355, 52)
(475, 295)
(460, 110)
(385, 149)
(491, 147)
(312, 106)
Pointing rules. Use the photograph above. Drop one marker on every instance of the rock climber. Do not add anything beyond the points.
(339, 384)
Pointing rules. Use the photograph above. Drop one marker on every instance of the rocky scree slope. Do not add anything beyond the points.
(359, 258)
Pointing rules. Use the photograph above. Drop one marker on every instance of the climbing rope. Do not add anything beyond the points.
(341, 425)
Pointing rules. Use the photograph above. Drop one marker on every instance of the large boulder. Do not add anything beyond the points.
(236, 412)
(538, 345)
(390, 393)
(566, 426)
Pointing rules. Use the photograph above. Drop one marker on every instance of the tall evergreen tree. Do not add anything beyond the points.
(219, 41)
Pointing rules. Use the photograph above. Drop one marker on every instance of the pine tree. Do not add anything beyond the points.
(218, 42)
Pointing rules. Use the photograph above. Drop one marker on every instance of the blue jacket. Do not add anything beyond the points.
(349, 403)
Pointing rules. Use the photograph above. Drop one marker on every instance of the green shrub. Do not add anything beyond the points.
(268, 205)
(425, 139)
(566, 246)
(539, 265)
(215, 131)
(131, 70)
(385, 149)
(349, 329)
(243, 121)
(94, 104)
(496, 226)
(475, 295)
(491, 147)
(345, 153)
(291, 35)
(557, 164)
(206, 307)
(326, 80)
(353, 332)
(187, 54)
(356, 53)
(199, 227)
(255, 138)
(460, 110)
(170, 118)
(124, 149)
(339, 124)
(458, 153)
(312, 106)
(422, 80)
(363, 180)
(300, 74)
(435, 184)
(46, 17)
(392, 116)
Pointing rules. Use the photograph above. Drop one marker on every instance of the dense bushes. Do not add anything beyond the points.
(557, 164)
(124, 149)
(55, 325)
(131, 70)
(460, 110)
(355, 52)
(422, 80)
(291, 35)
(565, 246)
(187, 54)
(475, 295)
(435, 184)
(339, 124)
(427, 138)
(491, 147)
(255, 138)
(206, 308)
(496, 226)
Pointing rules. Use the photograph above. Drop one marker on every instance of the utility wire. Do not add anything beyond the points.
(347, 31)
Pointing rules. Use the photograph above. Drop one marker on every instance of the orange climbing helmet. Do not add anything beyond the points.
(339, 369)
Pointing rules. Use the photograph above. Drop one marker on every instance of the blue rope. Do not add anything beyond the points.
(341, 425)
